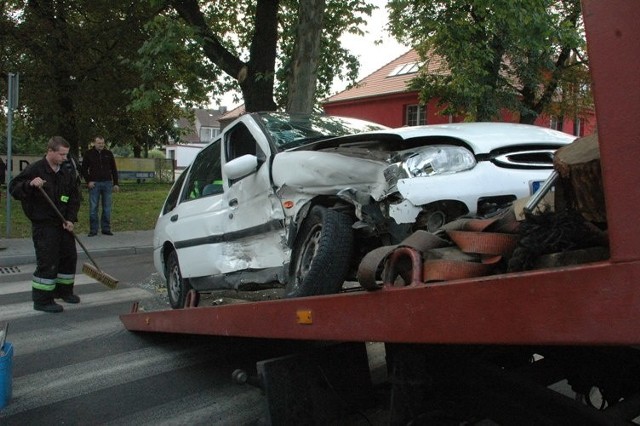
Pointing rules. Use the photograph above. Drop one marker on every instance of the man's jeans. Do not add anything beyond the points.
(100, 190)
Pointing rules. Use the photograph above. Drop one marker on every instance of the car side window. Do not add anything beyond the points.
(206, 174)
(174, 194)
(241, 142)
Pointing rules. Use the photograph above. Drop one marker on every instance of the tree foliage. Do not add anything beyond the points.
(496, 54)
(334, 61)
(129, 69)
(250, 46)
(73, 59)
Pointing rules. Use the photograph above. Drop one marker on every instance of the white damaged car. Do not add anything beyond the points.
(296, 201)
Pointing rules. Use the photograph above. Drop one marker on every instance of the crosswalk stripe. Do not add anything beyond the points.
(247, 404)
(51, 386)
(25, 309)
(40, 339)
(20, 286)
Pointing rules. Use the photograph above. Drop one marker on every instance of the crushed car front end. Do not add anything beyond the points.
(400, 180)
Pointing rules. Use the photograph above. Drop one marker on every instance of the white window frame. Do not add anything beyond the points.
(403, 69)
(578, 127)
(555, 123)
(415, 115)
(207, 134)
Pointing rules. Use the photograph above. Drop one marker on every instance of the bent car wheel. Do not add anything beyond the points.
(177, 287)
(321, 254)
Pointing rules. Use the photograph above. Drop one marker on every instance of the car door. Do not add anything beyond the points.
(196, 224)
(254, 228)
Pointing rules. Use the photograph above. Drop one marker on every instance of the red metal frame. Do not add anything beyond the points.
(588, 304)
(614, 55)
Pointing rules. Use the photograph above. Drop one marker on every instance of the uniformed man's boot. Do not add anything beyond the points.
(65, 292)
(43, 301)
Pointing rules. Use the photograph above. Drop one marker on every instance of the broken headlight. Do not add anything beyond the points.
(437, 160)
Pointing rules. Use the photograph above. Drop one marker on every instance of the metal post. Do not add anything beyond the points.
(12, 94)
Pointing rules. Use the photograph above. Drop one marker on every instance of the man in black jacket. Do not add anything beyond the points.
(100, 173)
(54, 242)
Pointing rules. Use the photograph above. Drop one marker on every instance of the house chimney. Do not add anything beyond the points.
(222, 109)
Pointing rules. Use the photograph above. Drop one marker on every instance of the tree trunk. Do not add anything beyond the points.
(257, 87)
(303, 73)
(580, 186)
(67, 125)
(256, 77)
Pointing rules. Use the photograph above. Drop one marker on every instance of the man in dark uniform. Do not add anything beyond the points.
(53, 240)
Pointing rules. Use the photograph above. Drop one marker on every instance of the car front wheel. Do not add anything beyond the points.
(177, 287)
(321, 254)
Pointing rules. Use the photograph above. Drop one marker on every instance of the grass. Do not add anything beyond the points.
(134, 208)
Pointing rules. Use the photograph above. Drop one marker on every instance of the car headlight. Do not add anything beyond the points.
(437, 160)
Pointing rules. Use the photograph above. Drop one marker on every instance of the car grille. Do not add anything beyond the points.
(530, 159)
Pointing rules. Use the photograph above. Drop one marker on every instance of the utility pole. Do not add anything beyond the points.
(13, 83)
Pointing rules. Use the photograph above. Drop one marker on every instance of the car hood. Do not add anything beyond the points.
(481, 138)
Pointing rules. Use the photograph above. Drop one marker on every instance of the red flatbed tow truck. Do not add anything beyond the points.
(493, 345)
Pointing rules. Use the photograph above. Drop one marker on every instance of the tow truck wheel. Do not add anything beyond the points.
(321, 254)
(177, 287)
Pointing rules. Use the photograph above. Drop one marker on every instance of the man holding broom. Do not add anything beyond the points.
(53, 239)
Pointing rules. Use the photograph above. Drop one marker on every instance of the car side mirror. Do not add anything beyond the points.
(241, 166)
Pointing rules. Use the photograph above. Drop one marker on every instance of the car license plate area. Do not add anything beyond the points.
(535, 185)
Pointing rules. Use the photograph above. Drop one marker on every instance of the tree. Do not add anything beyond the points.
(250, 46)
(128, 70)
(303, 72)
(74, 59)
(497, 54)
(255, 76)
(333, 61)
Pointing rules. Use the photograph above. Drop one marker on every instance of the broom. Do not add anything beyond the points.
(94, 270)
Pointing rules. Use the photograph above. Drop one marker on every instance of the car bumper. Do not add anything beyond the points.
(483, 181)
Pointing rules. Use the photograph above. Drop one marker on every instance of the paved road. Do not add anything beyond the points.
(82, 367)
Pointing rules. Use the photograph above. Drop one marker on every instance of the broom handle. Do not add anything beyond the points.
(52, 204)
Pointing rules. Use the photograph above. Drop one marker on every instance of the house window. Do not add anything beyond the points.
(208, 133)
(556, 123)
(578, 127)
(402, 69)
(416, 115)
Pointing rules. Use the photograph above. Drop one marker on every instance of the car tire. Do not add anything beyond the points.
(177, 287)
(321, 254)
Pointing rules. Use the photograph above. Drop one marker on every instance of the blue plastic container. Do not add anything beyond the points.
(5, 374)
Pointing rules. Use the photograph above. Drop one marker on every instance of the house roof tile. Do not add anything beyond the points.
(202, 118)
(209, 117)
(386, 80)
(233, 113)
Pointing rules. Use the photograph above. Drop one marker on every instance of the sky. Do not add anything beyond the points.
(371, 56)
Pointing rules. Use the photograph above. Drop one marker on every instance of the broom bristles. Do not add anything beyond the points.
(100, 276)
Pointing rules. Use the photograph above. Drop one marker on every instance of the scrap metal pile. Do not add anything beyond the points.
(567, 227)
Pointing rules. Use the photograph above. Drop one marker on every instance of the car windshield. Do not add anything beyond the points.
(291, 131)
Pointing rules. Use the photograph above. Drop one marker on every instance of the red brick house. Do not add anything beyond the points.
(383, 97)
